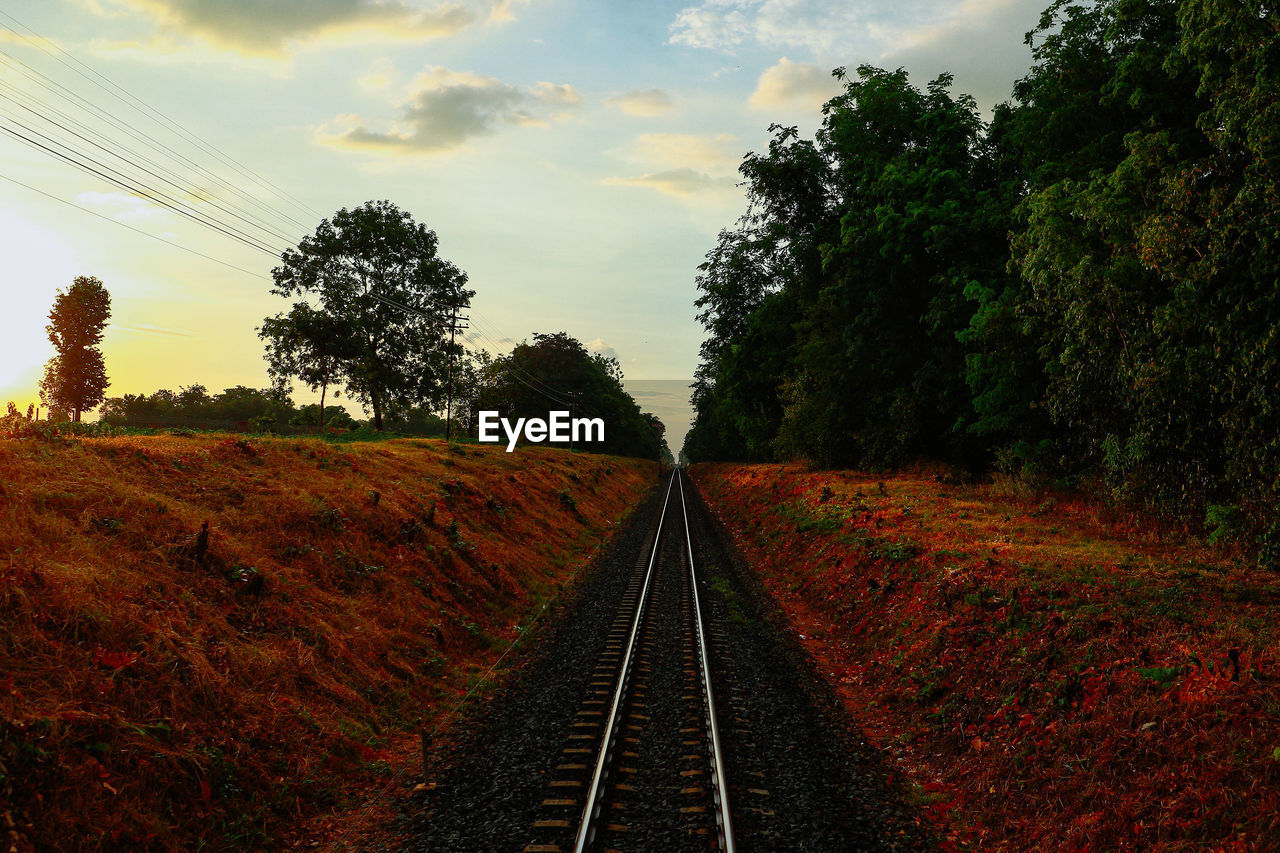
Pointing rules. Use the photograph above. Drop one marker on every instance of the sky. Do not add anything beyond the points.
(576, 158)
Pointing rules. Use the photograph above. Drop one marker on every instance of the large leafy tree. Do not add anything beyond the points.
(555, 372)
(752, 285)
(75, 379)
(879, 371)
(384, 300)
(1220, 224)
(1122, 253)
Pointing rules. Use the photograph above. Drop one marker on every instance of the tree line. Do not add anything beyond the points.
(1082, 289)
(376, 311)
(374, 315)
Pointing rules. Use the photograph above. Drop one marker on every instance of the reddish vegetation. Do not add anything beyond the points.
(164, 689)
(1047, 676)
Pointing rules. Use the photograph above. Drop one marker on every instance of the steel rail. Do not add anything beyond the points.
(591, 811)
(721, 790)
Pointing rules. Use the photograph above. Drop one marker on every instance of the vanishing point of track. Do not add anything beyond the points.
(633, 772)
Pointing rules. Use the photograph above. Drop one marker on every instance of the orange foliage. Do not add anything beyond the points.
(1048, 677)
(160, 689)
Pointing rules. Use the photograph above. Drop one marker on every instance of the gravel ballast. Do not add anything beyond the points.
(800, 777)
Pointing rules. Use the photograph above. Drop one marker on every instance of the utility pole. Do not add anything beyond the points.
(454, 328)
(573, 405)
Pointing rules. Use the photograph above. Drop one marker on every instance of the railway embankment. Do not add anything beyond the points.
(1045, 673)
(213, 642)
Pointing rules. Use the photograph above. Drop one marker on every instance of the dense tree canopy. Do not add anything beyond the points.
(384, 298)
(1085, 287)
(75, 379)
(556, 373)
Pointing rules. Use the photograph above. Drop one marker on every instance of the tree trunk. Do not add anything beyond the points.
(324, 387)
(76, 417)
(377, 412)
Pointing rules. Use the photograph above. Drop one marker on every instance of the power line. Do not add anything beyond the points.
(54, 87)
(123, 182)
(515, 372)
(65, 151)
(146, 109)
(478, 319)
(130, 227)
(147, 166)
(132, 182)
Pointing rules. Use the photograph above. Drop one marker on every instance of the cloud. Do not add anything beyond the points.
(379, 76)
(562, 98)
(987, 74)
(707, 152)
(822, 26)
(8, 36)
(447, 108)
(980, 41)
(641, 102)
(682, 182)
(716, 24)
(601, 347)
(793, 85)
(127, 207)
(504, 10)
(685, 165)
(282, 26)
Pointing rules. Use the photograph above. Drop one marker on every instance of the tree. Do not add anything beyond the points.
(556, 373)
(753, 283)
(308, 344)
(384, 297)
(76, 378)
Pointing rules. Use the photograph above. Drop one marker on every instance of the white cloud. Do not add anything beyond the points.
(641, 102)
(683, 182)
(819, 25)
(444, 109)
(708, 152)
(8, 36)
(503, 11)
(793, 85)
(988, 72)
(563, 98)
(718, 24)
(601, 347)
(125, 207)
(681, 164)
(980, 41)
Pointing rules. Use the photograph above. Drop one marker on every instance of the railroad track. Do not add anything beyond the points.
(642, 766)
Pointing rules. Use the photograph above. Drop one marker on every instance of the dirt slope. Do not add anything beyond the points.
(164, 689)
(1048, 676)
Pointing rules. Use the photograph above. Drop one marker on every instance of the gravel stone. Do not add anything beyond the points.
(800, 776)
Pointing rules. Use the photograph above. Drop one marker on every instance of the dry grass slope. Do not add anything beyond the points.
(168, 685)
(1049, 675)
